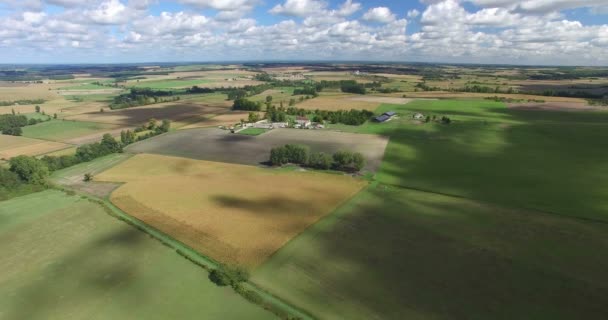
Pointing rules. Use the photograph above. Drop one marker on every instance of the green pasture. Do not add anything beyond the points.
(169, 84)
(393, 253)
(541, 160)
(63, 257)
(59, 130)
(253, 131)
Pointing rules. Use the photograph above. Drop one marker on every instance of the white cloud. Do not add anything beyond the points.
(413, 13)
(379, 14)
(299, 8)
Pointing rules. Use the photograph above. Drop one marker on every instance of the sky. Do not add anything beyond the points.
(533, 32)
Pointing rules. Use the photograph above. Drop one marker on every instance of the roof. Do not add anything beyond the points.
(300, 118)
(390, 113)
(382, 118)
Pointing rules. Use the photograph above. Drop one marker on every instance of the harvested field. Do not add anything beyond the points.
(138, 115)
(556, 106)
(220, 145)
(233, 213)
(11, 146)
(338, 102)
(26, 91)
(226, 119)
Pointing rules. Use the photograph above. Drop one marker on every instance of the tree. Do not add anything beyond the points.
(108, 142)
(152, 124)
(254, 117)
(54, 116)
(29, 169)
(12, 131)
(278, 156)
(244, 104)
(268, 99)
(358, 161)
(320, 161)
(292, 102)
(37, 109)
(87, 177)
(165, 125)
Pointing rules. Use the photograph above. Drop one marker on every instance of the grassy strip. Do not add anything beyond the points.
(250, 292)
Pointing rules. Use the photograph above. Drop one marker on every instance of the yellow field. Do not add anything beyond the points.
(335, 102)
(11, 146)
(468, 95)
(227, 119)
(235, 214)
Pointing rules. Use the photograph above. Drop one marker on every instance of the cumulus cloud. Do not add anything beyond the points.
(379, 14)
(514, 31)
(299, 8)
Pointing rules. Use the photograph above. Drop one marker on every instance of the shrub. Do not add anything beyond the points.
(29, 169)
(320, 161)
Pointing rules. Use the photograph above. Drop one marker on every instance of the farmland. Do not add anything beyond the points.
(397, 253)
(59, 130)
(491, 204)
(11, 146)
(219, 145)
(65, 258)
(220, 209)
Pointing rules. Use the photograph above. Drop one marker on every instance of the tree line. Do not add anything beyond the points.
(140, 97)
(12, 103)
(11, 124)
(298, 154)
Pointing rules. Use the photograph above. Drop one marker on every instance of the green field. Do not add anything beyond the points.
(59, 130)
(65, 258)
(393, 253)
(76, 173)
(499, 215)
(85, 86)
(253, 131)
(169, 84)
(542, 160)
(91, 97)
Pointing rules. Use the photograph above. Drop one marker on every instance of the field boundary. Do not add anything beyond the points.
(192, 255)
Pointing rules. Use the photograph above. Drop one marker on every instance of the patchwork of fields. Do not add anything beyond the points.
(234, 214)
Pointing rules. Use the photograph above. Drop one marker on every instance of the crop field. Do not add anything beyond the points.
(65, 258)
(473, 95)
(174, 111)
(340, 101)
(220, 145)
(396, 253)
(11, 146)
(233, 213)
(212, 120)
(60, 130)
(26, 91)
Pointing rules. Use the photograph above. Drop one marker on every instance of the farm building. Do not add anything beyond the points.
(303, 122)
(418, 116)
(385, 116)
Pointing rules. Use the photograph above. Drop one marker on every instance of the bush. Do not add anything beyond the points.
(244, 104)
(348, 161)
(320, 161)
(224, 276)
(289, 153)
(29, 169)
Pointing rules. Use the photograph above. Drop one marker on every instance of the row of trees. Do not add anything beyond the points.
(11, 124)
(297, 154)
(21, 102)
(247, 105)
(142, 96)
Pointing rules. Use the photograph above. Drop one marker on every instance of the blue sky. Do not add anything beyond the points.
(568, 32)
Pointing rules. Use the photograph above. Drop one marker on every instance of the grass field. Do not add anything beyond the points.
(170, 84)
(539, 160)
(232, 213)
(253, 131)
(84, 86)
(11, 146)
(392, 253)
(65, 258)
(59, 130)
